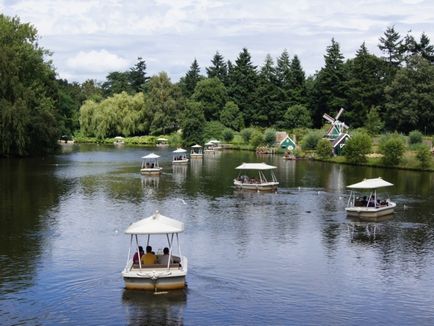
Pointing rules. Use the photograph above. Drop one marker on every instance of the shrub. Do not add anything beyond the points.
(228, 135)
(392, 147)
(310, 140)
(270, 137)
(357, 147)
(324, 148)
(256, 139)
(423, 154)
(246, 134)
(415, 137)
(213, 129)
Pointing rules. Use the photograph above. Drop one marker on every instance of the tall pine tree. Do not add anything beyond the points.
(243, 84)
(218, 69)
(190, 80)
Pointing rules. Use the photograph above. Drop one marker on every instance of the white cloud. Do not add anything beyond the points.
(96, 62)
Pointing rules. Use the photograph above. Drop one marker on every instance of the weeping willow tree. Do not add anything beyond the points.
(121, 114)
(28, 119)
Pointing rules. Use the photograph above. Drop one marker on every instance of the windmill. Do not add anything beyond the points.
(337, 132)
(337, 128)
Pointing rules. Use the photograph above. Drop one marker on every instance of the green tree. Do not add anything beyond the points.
(392, 147)
(357, 147)
(270, 136)
(330, 85)
(267, 95)
(297, 116)
(117, 82)
(163, 101)
(212, 95)
(423, 154)
(311, 139)
(219, 69)
(374, 124)
(284, 80)
(246, 134)
(28, 117)
(324, 149)
(256, 139)
(297, 83)
(391, 44)
(415, 137)
(189, 81)
(366, 83)
(231, 116)
(137, 76)
(193, 124)
(213, 129)
(228, 135)
(410, 98)
(243, 84)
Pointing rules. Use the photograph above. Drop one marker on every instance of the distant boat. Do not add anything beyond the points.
(156, 277)
(259, 182)
(162, 142)
(150, 165)
(119, 140)
(180, 156)
(371, 206)
(196, 151)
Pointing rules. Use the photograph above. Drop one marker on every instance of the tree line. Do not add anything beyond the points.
(394, 92)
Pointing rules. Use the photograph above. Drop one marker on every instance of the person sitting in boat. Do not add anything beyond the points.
(164, 258)
(138, 255)
(149, 258)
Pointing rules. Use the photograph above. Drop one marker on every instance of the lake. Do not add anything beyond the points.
(285, 258)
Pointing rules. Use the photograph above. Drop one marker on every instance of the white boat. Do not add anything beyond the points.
(216, 144)
(180, 156)
(150, 165)
(118, 140)
(196, 151)
(155, 277)
(162, 142)
(369, 207)
(259, 183)
(209, 147)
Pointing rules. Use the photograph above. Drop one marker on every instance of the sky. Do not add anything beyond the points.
(91, 38)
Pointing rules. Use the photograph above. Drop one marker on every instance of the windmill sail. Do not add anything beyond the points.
(328, 118)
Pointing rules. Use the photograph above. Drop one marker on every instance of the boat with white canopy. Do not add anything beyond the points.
(258, 182)
(370, 206)
(118, 140)
(196, 151)
(162, 142)
(180, 156)
(156, 277)
(150, 165)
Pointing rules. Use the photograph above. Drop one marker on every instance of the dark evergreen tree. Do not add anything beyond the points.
(284, 80)
(137, 76)
(391, 44)
(269, 109)
(297, 84)
(423, 47)
(116, 82)
(410, 98)
(243, 84)
(190, 80)
(329, 93)
(218, 69)
(193, 124)
(366, 83)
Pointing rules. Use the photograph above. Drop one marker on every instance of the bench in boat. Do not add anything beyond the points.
(136, 266)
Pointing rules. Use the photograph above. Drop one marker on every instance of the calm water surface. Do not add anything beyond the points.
(290, 257)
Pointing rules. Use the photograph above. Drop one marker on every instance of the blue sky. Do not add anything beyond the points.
(91, 38)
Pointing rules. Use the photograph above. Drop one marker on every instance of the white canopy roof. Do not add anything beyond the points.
(196, 146)
(213, 141)
(255, 166)
(150, 156)
(161, 139)
(209, 143)
(370, 184)
(180, 150)
(119, 137)
(155, 224)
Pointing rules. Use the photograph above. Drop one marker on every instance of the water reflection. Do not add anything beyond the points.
(179, 173)
(150, 184)
(155, 309)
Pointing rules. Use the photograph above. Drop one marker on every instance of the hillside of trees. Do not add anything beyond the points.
(394, 92)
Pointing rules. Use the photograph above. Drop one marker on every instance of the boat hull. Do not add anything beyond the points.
(370, 213)
(269, 186)
(154, 171)
(179, 162)
(155, 284)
